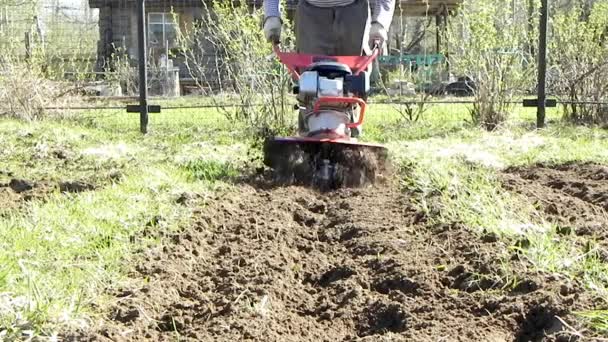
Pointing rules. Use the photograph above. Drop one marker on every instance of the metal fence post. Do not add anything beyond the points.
(143, 67)
(28, 46)
(542, 65)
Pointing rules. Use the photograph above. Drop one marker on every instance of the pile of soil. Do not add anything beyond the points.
(572, 195)
(271, 263)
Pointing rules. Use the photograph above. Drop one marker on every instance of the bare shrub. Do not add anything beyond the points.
(26, 94)
(497, 80)
(579, 49)
(123, 72)
(226, 52)
(494, 32)
(406, 93)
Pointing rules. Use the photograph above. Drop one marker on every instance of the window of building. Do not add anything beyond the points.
(162, 28)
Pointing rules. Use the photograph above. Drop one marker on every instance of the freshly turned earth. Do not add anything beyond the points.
(273, 263)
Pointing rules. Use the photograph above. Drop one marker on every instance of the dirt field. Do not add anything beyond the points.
(573, 195)
(289, 264)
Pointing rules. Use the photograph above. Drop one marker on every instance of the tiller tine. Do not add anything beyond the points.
(325, 164)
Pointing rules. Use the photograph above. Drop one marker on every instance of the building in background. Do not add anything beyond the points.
(118, 25)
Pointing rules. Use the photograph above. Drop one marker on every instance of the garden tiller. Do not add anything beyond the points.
(331, 93)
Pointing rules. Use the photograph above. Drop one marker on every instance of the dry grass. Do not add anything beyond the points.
(26, 94)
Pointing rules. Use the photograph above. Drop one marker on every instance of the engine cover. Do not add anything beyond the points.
(308, 84)
(331, 87)
(328, 79)
(312, 84)
(328, 122)
(331, 79)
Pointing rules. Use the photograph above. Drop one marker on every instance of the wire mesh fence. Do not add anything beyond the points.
(212, 55)
(64, 33)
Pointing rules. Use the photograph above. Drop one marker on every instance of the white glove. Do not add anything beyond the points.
(272, 29)
(377, 34)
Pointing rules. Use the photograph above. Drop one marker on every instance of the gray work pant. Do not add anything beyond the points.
(334, 31)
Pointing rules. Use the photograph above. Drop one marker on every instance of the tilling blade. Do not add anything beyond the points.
(325, 163)
(289, 161)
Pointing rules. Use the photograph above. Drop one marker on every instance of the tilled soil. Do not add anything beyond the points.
(347, 165)
(14, 193)
(270, 263)
(574, 196)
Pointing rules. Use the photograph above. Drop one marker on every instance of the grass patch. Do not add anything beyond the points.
(598, 319)
(457, 178)
(59, 256)
(553, 253)
(49, 151)
(472, 195)
(210, 170)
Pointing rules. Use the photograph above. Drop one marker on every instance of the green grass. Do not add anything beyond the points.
(57, 255)
(61, 254)
(597, 319)
(48, 150)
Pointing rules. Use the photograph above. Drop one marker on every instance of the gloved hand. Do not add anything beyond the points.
(272, 29)
(377, 34)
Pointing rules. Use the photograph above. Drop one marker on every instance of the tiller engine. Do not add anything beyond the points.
(331, 93)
